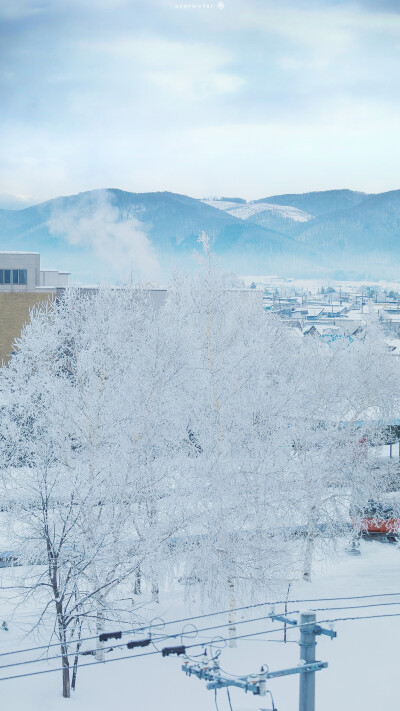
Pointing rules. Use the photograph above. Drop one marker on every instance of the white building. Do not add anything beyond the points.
(20, 271)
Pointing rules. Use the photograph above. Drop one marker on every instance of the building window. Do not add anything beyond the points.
(19, 276)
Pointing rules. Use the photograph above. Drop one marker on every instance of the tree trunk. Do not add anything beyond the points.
(62, 633)
(138, 583)
(76, 659)
(100, 629)
(65, 674)
(308, 557)
(65, 667)
(310, 541)
(155, 592)
(232, 613)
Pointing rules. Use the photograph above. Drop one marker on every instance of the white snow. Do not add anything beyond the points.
(245, 211)
(363, 659)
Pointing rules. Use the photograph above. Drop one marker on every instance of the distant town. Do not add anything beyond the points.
(331, 311)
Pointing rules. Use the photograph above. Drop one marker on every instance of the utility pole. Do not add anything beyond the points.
(210, 671)
(307, 656)
(308, 632)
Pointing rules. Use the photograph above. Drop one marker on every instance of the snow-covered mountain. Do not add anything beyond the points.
(319, 203)
(249, 209)
(108, 234)
(355, 233)
(266, 214)
(105, 233)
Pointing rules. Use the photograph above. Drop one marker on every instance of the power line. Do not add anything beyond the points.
(85, 664)
(199, 644)
(198, 631)
(158, 639)
(208, 614)
(362, 617)
(353, 607)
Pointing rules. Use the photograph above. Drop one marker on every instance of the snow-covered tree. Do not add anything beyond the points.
(236, 548)
(201, 439)
(346, 390)
(88, 429)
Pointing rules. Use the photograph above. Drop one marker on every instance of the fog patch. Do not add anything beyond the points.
(94, 223)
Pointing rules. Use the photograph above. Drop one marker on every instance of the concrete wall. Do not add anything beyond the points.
(14, 314)
(53, 278)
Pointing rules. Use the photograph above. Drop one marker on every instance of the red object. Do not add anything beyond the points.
(376, 525)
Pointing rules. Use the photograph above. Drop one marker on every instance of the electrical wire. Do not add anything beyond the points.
(229, 699)
(353, 607)
(208, 614)
(156, 640)
(182, 634)
(199, 644)
(360, 617)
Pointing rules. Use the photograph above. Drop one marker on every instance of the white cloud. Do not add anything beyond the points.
(94, 224)
(188, 70)
(150, 97)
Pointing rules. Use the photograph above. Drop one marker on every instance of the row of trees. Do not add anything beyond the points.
(201, 440)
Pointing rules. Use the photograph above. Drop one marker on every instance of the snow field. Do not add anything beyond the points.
(362, 672)
(244, 212)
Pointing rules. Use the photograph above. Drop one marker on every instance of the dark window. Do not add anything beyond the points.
(18, 276)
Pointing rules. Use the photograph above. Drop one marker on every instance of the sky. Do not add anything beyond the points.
(242, 98)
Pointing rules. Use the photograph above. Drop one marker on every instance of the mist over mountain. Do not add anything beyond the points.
(113, 235)
(107, 233)
(352, 234)
(366, 235)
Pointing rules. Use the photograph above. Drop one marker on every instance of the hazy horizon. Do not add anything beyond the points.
(19, 202)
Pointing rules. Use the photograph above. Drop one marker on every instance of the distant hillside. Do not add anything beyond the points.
(146, 228)
(350, 232)
(281, 218)
(109, 234)
(368, 234)
(238, 200)
(319, 203)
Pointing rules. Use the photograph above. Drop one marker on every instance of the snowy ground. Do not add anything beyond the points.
(363, 660)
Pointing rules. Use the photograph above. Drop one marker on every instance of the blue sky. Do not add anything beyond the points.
(253, 98)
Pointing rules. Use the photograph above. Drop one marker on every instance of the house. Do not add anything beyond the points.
(334, 311)
(311, 331)
(314, 314)
(23, 285)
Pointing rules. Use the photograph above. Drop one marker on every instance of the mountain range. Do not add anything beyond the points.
(104, 234)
